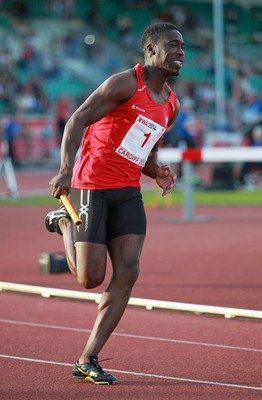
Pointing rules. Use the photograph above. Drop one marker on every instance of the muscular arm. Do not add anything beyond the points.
(114, 91)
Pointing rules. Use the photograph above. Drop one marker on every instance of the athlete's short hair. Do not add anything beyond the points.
(154, 30)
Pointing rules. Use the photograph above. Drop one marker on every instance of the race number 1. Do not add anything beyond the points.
(140, 139)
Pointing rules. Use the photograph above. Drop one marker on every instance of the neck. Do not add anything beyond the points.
(154, 78)
(156, 83)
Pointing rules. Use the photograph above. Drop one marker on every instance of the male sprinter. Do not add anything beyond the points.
(119, 127)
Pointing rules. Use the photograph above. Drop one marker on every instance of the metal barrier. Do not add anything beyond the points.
(210, 155)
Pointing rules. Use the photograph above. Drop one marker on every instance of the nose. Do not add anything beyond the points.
(180, 50)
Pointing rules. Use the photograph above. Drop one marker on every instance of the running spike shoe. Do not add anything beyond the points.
(53, 217)
(91, 371)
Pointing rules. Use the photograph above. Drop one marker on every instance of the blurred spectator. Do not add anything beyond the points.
(63, 9)
(12, 128)
(124, 27)
(252, 138)
(180, 16)
(32, 97)
(63, 109)
(20, 9)
(231, 21)
(205, 60)
(252, 110)
(187, 127)
(47, 133)
(27, 54)
(71, 44)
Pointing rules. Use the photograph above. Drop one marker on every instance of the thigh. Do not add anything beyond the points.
(125, 251)
(91, 261)
(125, 254)
(127, 215)
(92, 208)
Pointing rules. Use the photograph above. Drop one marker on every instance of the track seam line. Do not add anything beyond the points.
(174, 378)
(37, 325)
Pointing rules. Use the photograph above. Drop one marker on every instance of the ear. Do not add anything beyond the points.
(151, 49)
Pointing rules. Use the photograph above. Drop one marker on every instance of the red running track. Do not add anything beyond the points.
(156, 354)
(215, 263)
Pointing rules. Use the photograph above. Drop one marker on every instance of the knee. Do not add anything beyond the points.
(90, 282)
(126, 277)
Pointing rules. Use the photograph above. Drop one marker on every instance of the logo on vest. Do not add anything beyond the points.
(137, 108)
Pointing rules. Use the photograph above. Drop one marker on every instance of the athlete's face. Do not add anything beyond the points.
(170, 51)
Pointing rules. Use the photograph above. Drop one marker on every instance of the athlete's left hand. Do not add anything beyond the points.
(166, 179)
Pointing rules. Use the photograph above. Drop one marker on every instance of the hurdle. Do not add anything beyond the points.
(148, 304)
(209, 155)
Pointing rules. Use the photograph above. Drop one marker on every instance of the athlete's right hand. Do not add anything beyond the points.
(60, 184)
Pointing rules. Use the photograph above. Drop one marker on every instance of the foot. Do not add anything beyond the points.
(53, 217)
(92, 372)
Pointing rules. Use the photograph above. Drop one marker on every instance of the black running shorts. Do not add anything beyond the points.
(108, 213)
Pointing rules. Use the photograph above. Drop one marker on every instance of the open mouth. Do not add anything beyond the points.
(178, 63)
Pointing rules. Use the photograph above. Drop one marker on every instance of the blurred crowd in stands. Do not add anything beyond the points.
(26, 66)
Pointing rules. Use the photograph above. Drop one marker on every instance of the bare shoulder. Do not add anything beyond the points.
(114, 91)
(121, 85)
(126, 76)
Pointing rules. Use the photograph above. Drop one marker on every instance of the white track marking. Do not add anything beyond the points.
(172, 378)
(37, 325)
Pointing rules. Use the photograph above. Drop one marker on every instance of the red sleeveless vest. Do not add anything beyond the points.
(115, 148)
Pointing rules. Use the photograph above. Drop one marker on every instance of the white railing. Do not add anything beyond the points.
(209, 155)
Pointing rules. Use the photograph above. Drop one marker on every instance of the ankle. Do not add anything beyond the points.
(64, 223)
(87, 358)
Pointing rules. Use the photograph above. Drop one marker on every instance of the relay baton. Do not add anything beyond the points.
(70, 209)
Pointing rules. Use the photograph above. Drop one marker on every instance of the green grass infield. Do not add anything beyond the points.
(154, 198)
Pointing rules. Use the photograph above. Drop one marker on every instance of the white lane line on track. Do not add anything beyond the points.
(37, 325)
(172, 378)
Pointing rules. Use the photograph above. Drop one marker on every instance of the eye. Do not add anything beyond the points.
(173, 46)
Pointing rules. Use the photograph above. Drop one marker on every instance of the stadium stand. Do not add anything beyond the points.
(43, 54)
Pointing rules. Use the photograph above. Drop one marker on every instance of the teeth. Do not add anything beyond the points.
(178, 63)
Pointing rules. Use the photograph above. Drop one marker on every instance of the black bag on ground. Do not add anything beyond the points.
(52, 263)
